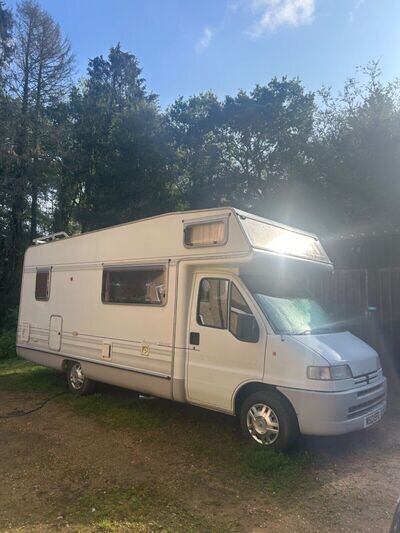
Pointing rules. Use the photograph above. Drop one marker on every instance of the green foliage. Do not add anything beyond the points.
(192, 129)
(244, 150)
(9, 320)
(7, 344)
(265, 141)
(357, 154)
(102, 153)
(119, 152)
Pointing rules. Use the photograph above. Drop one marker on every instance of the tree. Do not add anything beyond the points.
(358, 154)
(7, 137)
(43, 66)
(119, 168)
(265, 141)
(192, 128)
(6, 48)
(6, 107)
(36, 70)
(245, 150)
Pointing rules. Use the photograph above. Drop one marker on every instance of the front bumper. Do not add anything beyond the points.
(333, 413)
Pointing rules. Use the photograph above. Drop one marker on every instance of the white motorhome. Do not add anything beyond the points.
(206, 307)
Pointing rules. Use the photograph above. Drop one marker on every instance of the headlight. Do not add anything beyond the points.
(378, 363)
(329, 373)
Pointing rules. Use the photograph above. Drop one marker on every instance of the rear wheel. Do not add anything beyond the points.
(78, 383)
(268, 420)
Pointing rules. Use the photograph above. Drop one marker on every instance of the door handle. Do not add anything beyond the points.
(194, 338)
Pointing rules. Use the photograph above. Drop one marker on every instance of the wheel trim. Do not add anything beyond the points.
(76, 376)
(262, 424)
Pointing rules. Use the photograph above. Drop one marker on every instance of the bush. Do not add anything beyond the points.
(9, 320)
(7, 344)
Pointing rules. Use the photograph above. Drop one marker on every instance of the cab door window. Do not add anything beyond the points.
(222, 306)
(212, 308)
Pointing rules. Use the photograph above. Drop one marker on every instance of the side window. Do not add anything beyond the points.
(212, 233)
(134, 285)
(42, 286)
(242, 323)
(212, 307)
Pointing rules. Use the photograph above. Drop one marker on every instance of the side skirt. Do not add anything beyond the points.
(134, 379)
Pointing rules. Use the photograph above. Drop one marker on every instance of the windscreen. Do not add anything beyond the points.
(283, 241)
(290, 309)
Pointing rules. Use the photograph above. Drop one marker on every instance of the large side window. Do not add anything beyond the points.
(134, 285)
(42, 285)
(212, 309)
(242, 323)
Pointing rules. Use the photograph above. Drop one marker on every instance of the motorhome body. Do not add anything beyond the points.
(205, 307)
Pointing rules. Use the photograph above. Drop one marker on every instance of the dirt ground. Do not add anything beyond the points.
(65, 471)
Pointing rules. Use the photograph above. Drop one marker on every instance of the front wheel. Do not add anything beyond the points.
(78, 383)
(269, 420)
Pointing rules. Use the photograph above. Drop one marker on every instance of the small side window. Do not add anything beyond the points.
(213, 233)
(42, 286)
(242, 323)
(212, 309)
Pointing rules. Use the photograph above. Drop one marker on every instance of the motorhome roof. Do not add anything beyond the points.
(171, 235)
(245, 214)
(45, 239)
(48, 239)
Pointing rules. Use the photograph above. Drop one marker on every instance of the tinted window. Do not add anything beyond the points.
(140, 285)
(42, 286)
(212, 308)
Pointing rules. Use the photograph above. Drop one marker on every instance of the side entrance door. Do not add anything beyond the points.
(226, 344)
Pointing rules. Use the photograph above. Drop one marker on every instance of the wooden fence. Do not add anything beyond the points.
(369, 300)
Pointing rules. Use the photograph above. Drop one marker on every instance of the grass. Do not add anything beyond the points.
(203, 433)
(200, 436)
(207, 435)
(210, 451)
(20, 376)
(139, 509)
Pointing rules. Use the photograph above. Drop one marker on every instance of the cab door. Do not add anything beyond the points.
(227, 339)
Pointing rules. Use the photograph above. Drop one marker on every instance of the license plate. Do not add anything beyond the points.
(372, 418)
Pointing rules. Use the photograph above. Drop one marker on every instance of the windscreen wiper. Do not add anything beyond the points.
(323, 329)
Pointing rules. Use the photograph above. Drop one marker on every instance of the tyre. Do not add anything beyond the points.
(78, 383)
(268, 419)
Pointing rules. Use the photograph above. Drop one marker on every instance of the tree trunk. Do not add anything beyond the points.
(18, 192)
(34, 180)
(34, 209)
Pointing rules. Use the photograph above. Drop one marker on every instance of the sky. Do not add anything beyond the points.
(190, 46)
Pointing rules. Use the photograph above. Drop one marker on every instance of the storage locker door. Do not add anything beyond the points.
(55, 332)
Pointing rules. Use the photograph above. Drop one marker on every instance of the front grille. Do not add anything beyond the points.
(366, 379)
(365, 407)
(370, 390)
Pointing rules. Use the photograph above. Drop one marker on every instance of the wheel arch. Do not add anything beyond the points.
(65, 363)
(255, 386)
